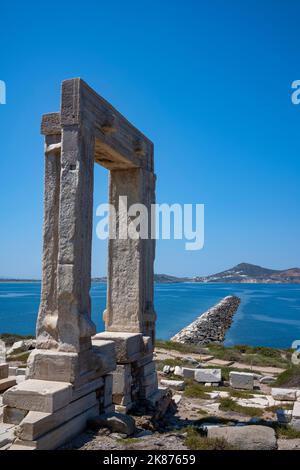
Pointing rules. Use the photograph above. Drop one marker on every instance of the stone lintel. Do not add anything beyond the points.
(119, 145)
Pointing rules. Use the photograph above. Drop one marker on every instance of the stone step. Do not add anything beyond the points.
(87, 388)
(62, 434)
(37, 423)
(38, 395)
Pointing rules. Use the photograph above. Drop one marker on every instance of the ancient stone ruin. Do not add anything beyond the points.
(75, 374)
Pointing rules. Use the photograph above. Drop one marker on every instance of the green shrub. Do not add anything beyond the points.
(286, 432)
(9, 338)
(194, 390)
(22, 357)
(227, 404)
(180, 347)
(196, 441)
(129, 441)
(240, 394)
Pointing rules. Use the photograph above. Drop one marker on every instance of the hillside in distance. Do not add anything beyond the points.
(251, 273)
(160, 278)
(241, 273)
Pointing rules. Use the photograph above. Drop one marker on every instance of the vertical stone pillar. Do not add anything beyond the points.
(74, 325)
(130, 262)
(47, 318)
(149, 315)
(64, 320)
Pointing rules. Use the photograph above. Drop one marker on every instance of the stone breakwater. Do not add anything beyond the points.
(212, 325)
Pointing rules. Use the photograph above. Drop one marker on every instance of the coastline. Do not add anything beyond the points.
(268, 314)
(211, 326)
(96, 281)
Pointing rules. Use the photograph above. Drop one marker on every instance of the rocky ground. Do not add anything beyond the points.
(201, 410)
(203, 416)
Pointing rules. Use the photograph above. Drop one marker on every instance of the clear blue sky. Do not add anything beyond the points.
(208, 81)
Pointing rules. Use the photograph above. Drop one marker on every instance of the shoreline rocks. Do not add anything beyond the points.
(212, 325)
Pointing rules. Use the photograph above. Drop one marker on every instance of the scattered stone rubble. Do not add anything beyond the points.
(288, 395)
(241, 380)
(26, 429)
(213, 376)
(6, 381)
(212, 325)
(19, 347)
(174, 384)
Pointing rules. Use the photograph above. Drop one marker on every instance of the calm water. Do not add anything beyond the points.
(269, 315)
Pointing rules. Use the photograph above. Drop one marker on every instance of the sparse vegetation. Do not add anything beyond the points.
(275, 408)
(129, 441)
(180, 347)
(200, 411)
(240, 393)
(287, 432)
(196, 441)
(9, 338)
(21, 357)
(251, 355)
(194, 390)
(227, 404)
(289, 378)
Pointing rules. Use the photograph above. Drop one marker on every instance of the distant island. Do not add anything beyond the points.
(243, 273)
(160, 278)
(253, 274)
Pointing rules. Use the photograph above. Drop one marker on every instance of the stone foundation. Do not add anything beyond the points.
(135, 377)
(48, 413)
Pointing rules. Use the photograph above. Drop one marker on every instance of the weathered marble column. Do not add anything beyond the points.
(74, 325)
(47, 317)
(130, 262)
(64, 321)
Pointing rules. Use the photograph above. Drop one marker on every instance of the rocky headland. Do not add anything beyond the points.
(212, 325)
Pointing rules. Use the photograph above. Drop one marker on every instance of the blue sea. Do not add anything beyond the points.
(269, 315)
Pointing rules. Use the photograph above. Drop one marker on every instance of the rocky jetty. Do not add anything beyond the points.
(212, 325)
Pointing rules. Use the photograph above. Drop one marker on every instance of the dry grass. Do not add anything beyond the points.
(195, 441)
(289, 378)
(286, 432)
(227, 404)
